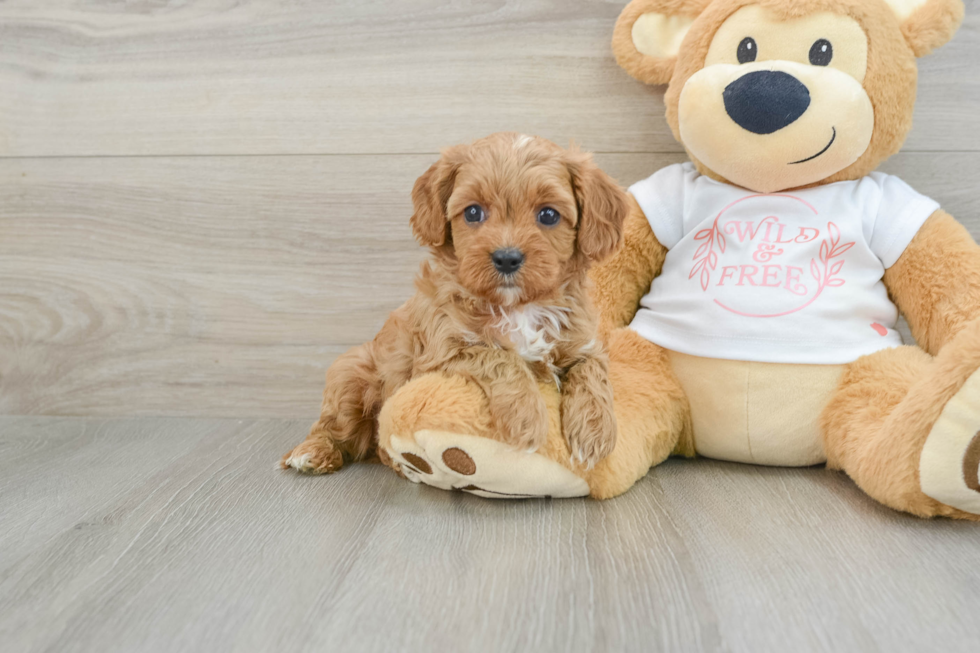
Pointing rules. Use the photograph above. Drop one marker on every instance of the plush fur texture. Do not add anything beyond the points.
(932, 25)
(936, 283)
(878, 420)
(622, 280)
(504, 332)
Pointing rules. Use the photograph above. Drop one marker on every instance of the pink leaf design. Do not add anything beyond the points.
(840, 250)
(824, 252)
(814, 270)
(835, 283)
(835, 268)
(706, 253)
(834, 233)
(722, 242)
(697, 268)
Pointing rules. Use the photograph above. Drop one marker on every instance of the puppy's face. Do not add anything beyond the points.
(517, 217)
(513, 220)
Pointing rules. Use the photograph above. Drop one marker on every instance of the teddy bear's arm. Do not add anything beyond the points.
(936, 281)
(620, 282)
(515, 405)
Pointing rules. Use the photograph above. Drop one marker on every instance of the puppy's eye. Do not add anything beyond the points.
(474, 214)
(821, 52)
(747, 50)
(548, 217)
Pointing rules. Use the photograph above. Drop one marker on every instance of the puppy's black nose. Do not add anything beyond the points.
(765, 101)
(508, 261)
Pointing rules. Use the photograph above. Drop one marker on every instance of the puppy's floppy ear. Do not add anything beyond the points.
(602, 207)
(648, 35)
(927, 24)
(430, 196)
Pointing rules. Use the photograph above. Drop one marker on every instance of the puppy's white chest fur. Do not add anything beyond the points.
(533, 329)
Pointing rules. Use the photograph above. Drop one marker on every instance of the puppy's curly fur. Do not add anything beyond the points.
(507, 331)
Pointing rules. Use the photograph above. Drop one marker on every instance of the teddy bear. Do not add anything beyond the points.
(750, 314)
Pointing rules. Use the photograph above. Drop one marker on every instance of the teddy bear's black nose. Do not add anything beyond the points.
(508, 261)
(765, 101)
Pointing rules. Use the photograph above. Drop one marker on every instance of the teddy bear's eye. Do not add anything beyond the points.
(474, 214)
(747, 50)
(821, 52)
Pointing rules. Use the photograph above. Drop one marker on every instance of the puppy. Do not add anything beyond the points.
(513, 223)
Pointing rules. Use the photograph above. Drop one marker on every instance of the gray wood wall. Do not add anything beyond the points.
(203, 202)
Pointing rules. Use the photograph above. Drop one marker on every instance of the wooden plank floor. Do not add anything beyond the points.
(177, 534)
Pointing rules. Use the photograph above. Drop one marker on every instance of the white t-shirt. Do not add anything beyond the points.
(792, 277)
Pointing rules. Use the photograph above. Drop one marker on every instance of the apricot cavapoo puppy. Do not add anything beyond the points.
(513, 223)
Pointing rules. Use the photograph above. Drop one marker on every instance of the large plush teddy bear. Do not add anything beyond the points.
(750, 315)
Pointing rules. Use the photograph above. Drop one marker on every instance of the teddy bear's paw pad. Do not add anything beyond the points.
(949, 466)
(481, 466)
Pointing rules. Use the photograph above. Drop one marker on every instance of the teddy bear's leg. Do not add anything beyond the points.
(652, 414)
(904, 426)
(437, 430)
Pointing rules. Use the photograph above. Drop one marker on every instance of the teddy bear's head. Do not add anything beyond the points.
(779, 94)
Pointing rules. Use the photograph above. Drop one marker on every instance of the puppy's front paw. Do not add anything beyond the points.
(313, 457)
(588, 424)
(523, 422)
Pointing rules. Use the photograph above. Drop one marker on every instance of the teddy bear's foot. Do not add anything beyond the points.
(481, 466)
(437, 430)
(313, 456)
(950, 462)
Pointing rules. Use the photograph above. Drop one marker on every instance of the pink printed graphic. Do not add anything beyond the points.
(706, 259)
(825, 273)
(768, 239)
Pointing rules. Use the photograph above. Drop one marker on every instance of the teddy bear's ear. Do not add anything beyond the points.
(429, 198)
(648, 36)
(927, 24)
